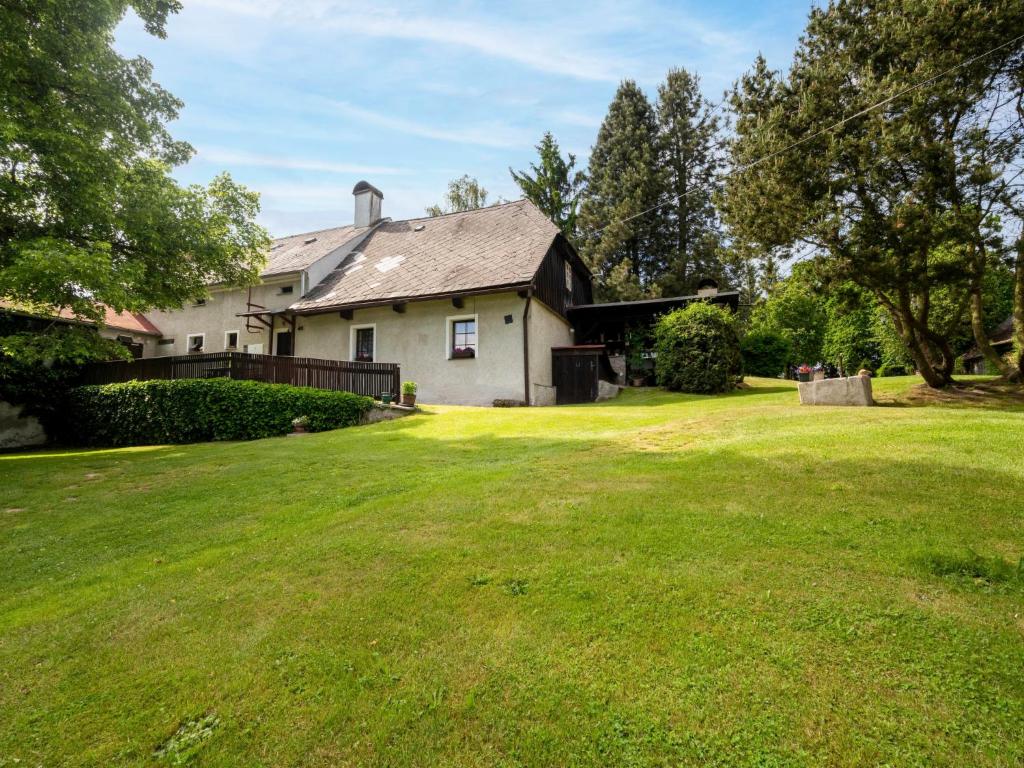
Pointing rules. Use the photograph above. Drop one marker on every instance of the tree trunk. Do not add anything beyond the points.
(937, 374)
(981, 338)
(1018, 313)
(903, 320)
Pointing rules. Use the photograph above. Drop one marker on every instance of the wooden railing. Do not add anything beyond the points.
(371, 379)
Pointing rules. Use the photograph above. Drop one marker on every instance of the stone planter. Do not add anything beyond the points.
(855, 390)
(409, 400)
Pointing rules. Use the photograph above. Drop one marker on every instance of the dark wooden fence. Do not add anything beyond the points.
(362, 378)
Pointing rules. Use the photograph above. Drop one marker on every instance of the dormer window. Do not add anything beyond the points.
(286, 289)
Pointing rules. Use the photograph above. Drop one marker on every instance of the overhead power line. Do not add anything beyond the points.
(816, 134)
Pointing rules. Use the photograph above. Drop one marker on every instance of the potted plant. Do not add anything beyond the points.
(300, 424)
(385, 398)
(804, 372)
(461, 353)
(409, 393)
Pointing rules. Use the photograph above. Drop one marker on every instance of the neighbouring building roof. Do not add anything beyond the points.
(133, 322)
(298, 252)
(1001, 336)
(489, 248)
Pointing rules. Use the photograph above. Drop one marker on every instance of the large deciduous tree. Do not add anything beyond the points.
(901, 199)
(553, 186)
(619, 231)
(89, 214)
(688, 160)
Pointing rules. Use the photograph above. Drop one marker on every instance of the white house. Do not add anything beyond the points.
(469, 304)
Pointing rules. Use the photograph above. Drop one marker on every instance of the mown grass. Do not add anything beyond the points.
(660, 580)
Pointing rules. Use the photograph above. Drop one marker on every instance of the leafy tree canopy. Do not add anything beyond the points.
(795, 308)
(464, 194)
(89, 214)
(901, 199)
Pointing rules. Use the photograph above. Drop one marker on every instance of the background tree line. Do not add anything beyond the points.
(904, 221)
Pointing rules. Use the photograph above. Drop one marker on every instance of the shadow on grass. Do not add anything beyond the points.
(657, 396)
(990, 395)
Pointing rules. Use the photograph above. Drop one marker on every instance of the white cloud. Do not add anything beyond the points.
(233, 157)
(535, 48)
(490, 134)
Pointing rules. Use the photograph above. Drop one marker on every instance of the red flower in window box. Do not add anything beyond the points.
(461, 352)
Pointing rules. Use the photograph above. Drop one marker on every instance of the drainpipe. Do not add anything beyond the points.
(526, 345)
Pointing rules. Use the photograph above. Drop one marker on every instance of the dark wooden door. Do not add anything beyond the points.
(575, 376)
(284, 344)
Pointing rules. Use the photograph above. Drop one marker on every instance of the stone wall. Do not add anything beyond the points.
(18, 430)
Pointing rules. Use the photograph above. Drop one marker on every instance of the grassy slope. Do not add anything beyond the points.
(657, 580)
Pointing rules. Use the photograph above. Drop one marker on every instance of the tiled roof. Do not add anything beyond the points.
(1003, 332)
(133, 322)
(136, 322)
(298, 252)
(1002, 335)
(494, 247)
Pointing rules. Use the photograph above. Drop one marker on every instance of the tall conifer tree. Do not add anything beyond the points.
(553, 186)
(688, 163)
(619, 234)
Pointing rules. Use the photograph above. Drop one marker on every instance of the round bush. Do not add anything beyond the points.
(766, 353)
(697, 350)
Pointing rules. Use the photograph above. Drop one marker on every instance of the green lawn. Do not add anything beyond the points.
(660, 580)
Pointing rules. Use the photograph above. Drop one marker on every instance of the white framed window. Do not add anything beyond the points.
(568, 276)
(230, 340)
(195, 343)
(362, 343)
(462, 336)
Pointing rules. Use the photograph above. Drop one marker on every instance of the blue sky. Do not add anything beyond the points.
(299, 100)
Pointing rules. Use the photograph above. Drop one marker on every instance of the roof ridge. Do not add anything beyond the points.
(463, 213)
(403, 221)
(313, 232)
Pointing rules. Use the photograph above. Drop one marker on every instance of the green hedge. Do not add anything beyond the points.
(198, 410)
(893, 369)
(766, 353)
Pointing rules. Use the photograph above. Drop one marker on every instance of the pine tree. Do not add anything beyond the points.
(688, 162)
(553, 186)
(619, 232)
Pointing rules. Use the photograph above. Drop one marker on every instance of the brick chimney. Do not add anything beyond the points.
(368, 204)
(707, 287)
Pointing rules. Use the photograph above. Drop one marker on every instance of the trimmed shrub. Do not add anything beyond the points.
(766, 353)
(893, 369)
(697, 350)
(198, 410)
